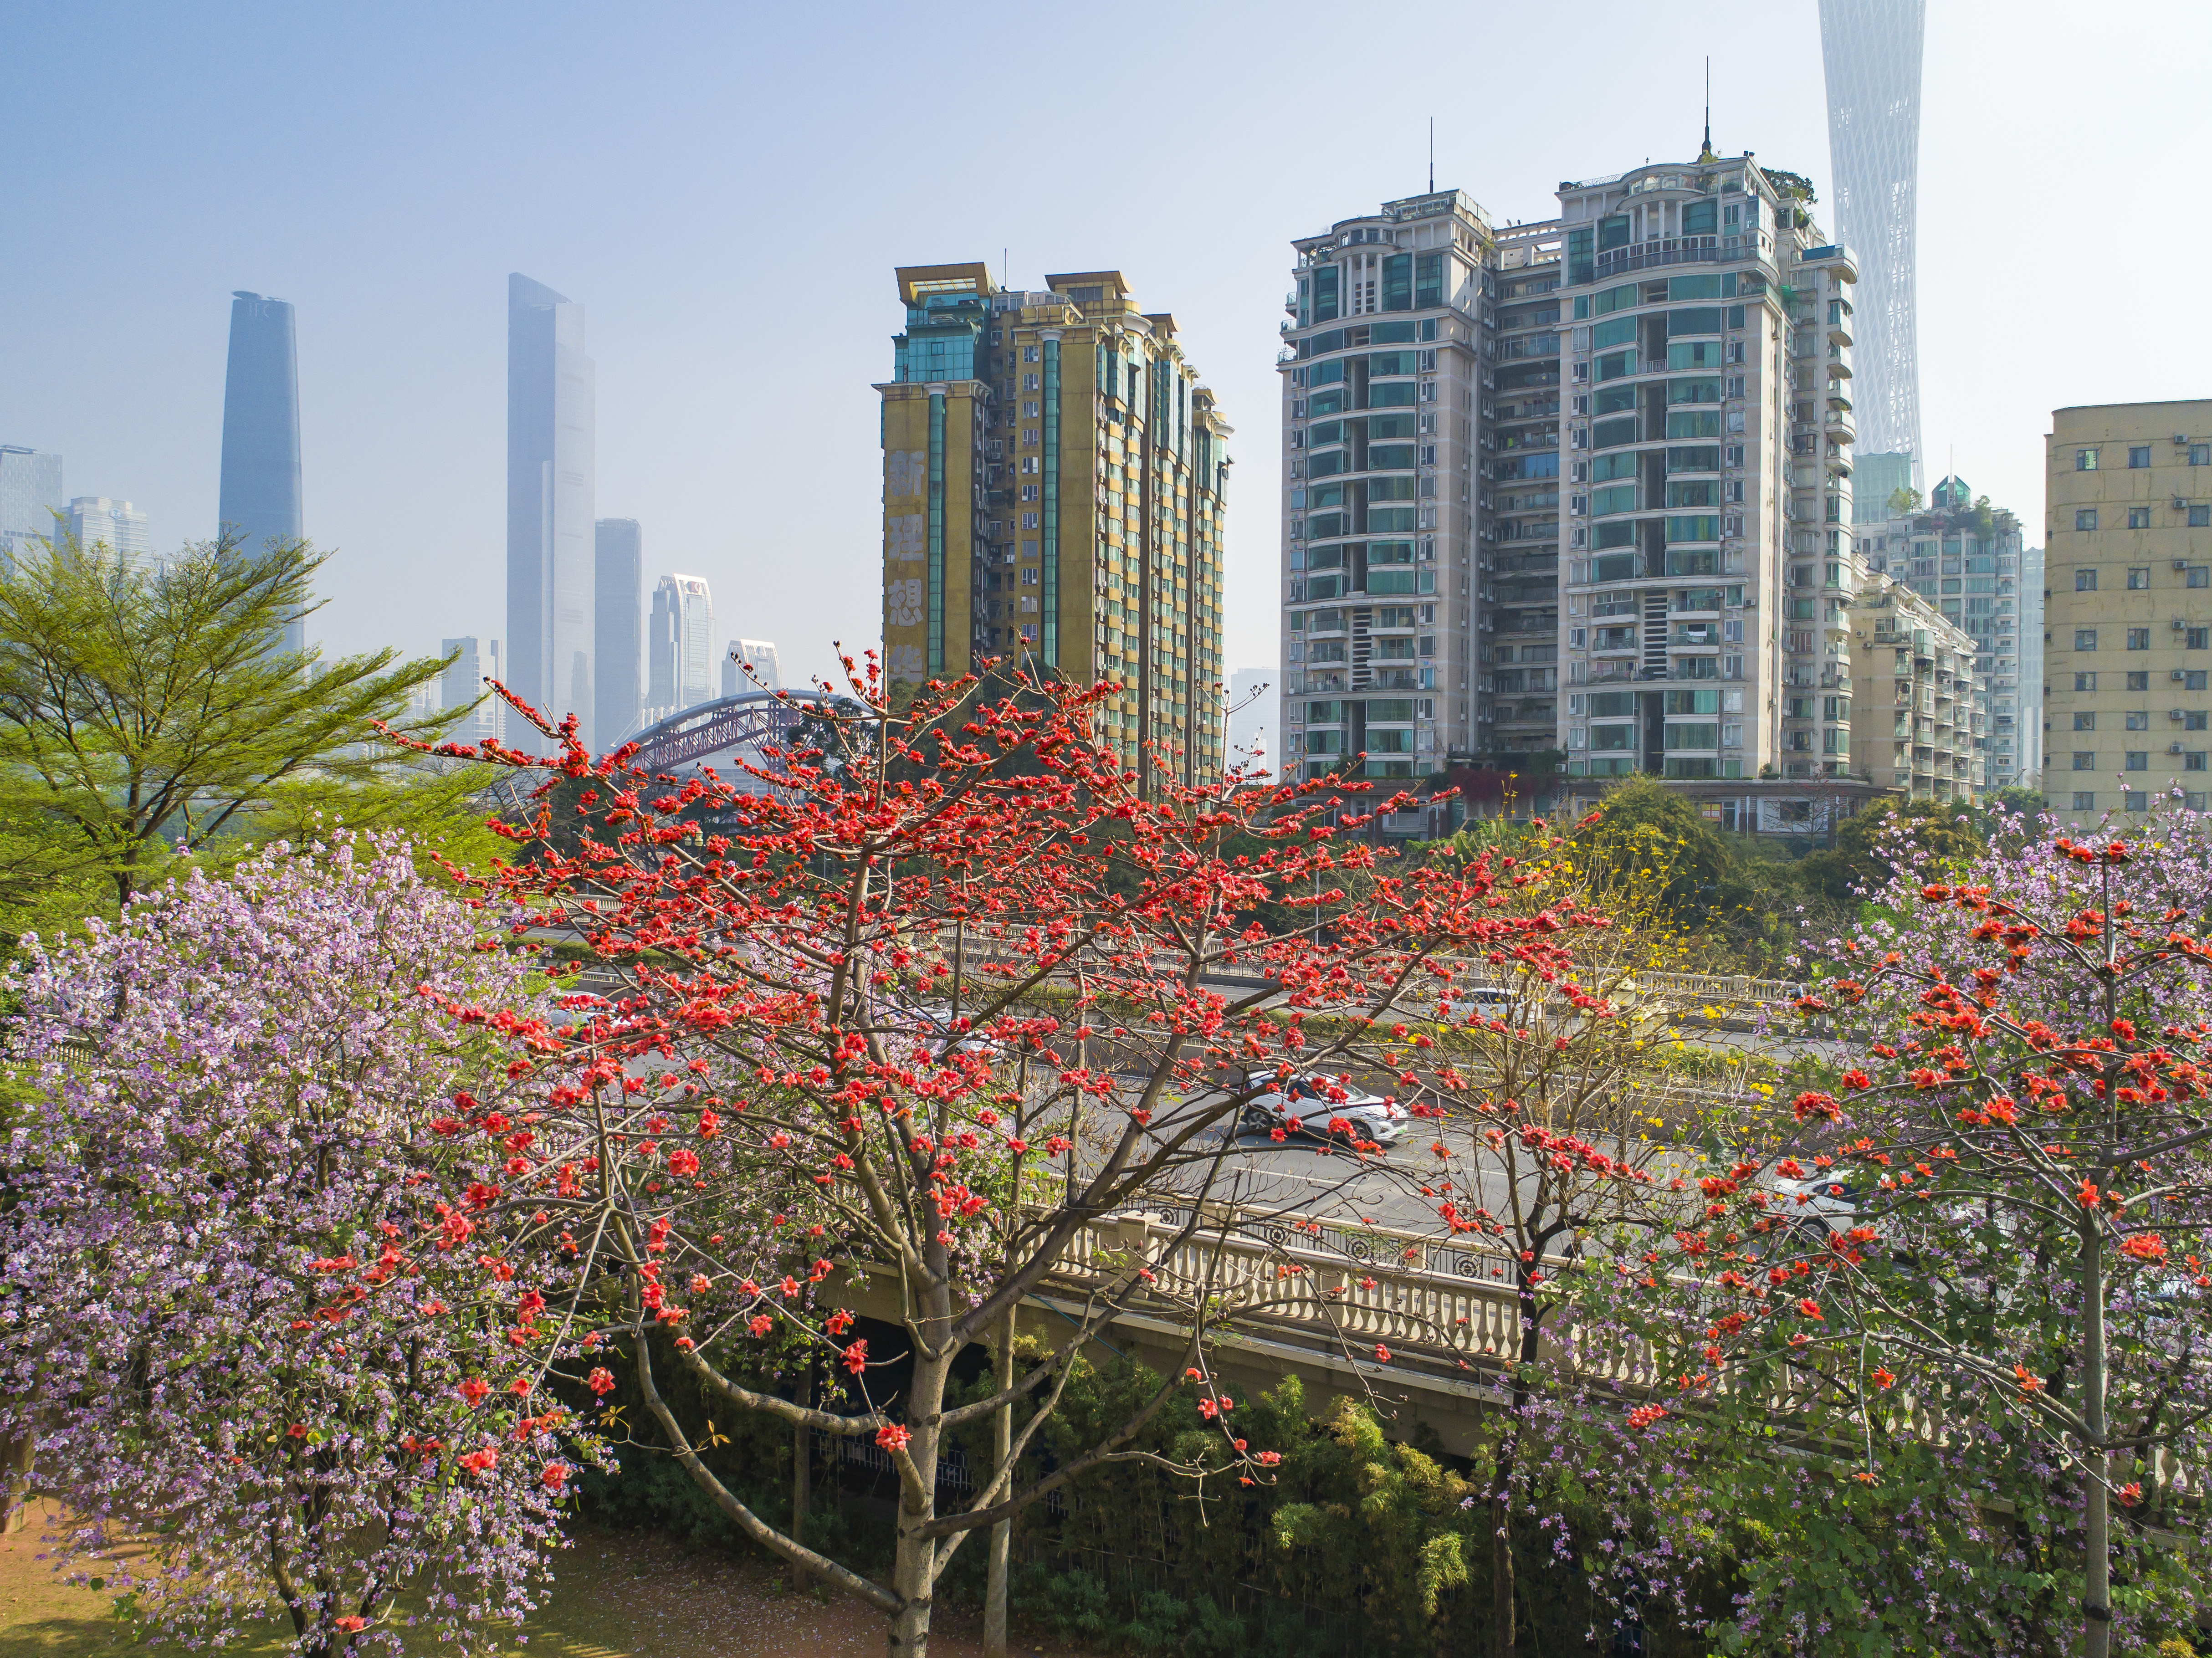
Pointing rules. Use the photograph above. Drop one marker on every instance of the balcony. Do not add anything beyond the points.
(1682, 250)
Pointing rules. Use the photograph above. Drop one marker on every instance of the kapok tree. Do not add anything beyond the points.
(959, 987)
(2018, 1187)
(1558, 1123)
(260, 1313)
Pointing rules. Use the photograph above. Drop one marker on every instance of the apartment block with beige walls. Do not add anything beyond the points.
(1054, 481)
(1912, 712)
(2127, 622)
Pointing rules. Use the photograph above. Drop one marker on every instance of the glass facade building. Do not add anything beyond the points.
(260, 501)
(30, 496)
(618, 631)
(551, 535)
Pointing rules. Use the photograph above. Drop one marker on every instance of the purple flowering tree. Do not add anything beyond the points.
(1952, 1313)
(262, 1312)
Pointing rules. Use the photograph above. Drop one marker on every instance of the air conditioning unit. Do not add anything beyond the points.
(2177, 624)
(2173, 748)
(2181, 437)
(2173, 714)
(2180, 505)
(2178, 675)
(2178, 564)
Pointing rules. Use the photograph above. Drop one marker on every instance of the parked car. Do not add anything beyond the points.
(1303, 1104)
(1826, 1201)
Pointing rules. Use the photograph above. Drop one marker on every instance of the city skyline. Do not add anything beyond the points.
(400, 243)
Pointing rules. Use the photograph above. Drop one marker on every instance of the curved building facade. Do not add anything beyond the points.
(260, 497)
(1871, 50)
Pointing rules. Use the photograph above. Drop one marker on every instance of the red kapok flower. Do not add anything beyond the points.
(474, 1391)
(601, 1380)
(856, 1357)
(893, 1438)
(553, 1476)
(1382, 1354)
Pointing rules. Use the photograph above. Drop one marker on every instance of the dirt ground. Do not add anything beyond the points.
(626, 1596)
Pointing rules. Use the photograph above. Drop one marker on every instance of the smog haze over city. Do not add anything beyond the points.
(725, 191)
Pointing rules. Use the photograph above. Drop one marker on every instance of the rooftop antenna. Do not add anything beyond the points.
(1432, 156)
(1706, 154)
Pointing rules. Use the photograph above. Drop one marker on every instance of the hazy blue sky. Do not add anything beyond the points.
(727, 191)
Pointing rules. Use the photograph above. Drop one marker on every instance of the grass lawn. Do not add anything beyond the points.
(615, 1595)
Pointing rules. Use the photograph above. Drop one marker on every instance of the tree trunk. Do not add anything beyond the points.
(802, 1472)
(913, 1576)
(2096, 1457)
(15, 1458)
(1002, 1534)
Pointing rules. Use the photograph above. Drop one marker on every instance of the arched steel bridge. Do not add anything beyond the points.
(734, 724)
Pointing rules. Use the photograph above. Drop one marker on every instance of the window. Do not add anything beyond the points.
(2085, 682)
(2139, 680)
(2138, 639)
(2137, 760)
(2084, 761)
(2085, 722)
(2138, 455)
(2200, 518)
(2193, 761)
(2200, 454)
(2085, 581)
(2085, 639)
(2138, 577)
(2193, 720)
(2199, 639)
(2085, 460)
(2084, 800)
(2084, 518)
(2193, 679)
(2138, 719)
(1029, 354)
(2139, 517)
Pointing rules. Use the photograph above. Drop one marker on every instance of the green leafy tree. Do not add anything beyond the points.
(148, 710)
(1893, 836)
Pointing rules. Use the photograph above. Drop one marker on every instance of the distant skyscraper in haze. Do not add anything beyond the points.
(618, 600)
(260, 497)
(551, 542)
(463, 683)
(30, 496)
(96, 521)
(759, 655)
(1871, 49)
(683, 655)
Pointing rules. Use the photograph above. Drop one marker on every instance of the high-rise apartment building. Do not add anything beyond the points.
(1661, 376)
(1054, 481)
(1964, 557)
(1706, 336)
(1871, 49)
(1386, 387)
(2034, 628)
(2128, 544)
(30, 496)
(617, 628)
(551, 542)
(1252, 722)
(96, 521)
(1914, 694)
(680, 645)
(759, 656)
(260, 497)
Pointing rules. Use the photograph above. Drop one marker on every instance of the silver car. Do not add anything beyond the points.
(1302, 1104)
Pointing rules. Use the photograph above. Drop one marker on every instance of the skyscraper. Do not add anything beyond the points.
(759, 655)
(551, 542)
(96, 521)
(681, 648)
(618, 601)
(463, 684)
(1251, 720)
(30, 496)
(1054, 476)
(260, 496)
(1871, 49)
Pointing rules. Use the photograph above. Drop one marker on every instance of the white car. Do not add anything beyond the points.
(1827, 1201)
(1302, 1104)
